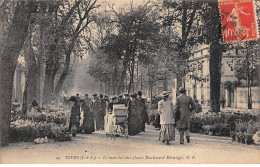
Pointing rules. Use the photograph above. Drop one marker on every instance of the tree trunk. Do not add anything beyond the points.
(32, 70)
(215, 59)
(46, 88)
(39, 64)
(66, 69)
(215, 75)
(19, 83)
(8, 58)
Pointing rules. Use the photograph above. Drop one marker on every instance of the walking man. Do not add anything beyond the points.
(184, 106)
(167, 120)
(144, 114)
(95, 108)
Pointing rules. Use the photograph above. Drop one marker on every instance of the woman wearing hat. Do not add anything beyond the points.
(133, 109)
(167, 120)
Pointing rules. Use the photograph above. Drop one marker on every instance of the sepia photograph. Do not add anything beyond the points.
(129, 82)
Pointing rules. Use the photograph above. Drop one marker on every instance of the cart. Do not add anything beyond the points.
(120, 123)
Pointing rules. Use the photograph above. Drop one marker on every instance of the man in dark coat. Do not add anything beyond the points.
(143, 110)
(184, 106)
(133, 109)
(102, 112)
(95, 107)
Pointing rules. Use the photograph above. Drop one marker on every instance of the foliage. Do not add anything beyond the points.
(59, 118)
(134, 38)
(224, 123)
(27, 131)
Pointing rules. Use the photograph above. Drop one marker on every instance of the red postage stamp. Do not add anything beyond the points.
(238, 20)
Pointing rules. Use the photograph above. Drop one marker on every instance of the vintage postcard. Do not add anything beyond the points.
(129, 82)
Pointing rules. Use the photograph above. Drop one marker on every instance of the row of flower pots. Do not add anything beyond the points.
(242, 138)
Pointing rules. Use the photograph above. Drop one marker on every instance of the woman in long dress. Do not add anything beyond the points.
(75, 116)
(133, 118)
(167, 119)
(88, 118)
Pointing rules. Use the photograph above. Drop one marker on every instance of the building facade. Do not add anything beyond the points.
(197, 82)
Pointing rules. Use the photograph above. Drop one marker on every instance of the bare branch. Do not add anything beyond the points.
(79, 13)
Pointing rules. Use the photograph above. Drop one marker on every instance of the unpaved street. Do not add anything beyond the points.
(143, 148)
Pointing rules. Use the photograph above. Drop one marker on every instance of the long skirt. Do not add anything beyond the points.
(88, 125)
(167, 132)
(133, 125)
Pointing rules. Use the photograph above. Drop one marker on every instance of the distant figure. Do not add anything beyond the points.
(143, 110)
(87, 99)
(198, 107)
(102, 112)
(133, 109)
(110, 104)
(106, 98)
(75, 116)
(95, 107)
(223, 102)
(120, 99)
(184, 106)
(167, 120)
(77, 97)
(126, 99)
(35, 106)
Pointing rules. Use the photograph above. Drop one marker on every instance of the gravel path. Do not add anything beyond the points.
(143, 148)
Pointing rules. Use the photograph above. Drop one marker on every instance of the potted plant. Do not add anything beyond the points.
(251, 129)
(248, 139)
(206, 129)
(238, 137)
(242, 138)
(233, 136)
(212, 129)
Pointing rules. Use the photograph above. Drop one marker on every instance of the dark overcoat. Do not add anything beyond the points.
(184, 105)
(133, 117)
(88, 121)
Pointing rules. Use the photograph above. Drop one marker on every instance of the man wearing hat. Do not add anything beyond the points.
(95, 106)
(120, 99)
(144, 114)
(133, 109)
(167, 119)
(87, 99)
(184, 106)
(77, 96)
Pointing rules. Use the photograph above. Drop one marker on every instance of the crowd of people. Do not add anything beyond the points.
(171, 115)
(88, 114)
(92, 112)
